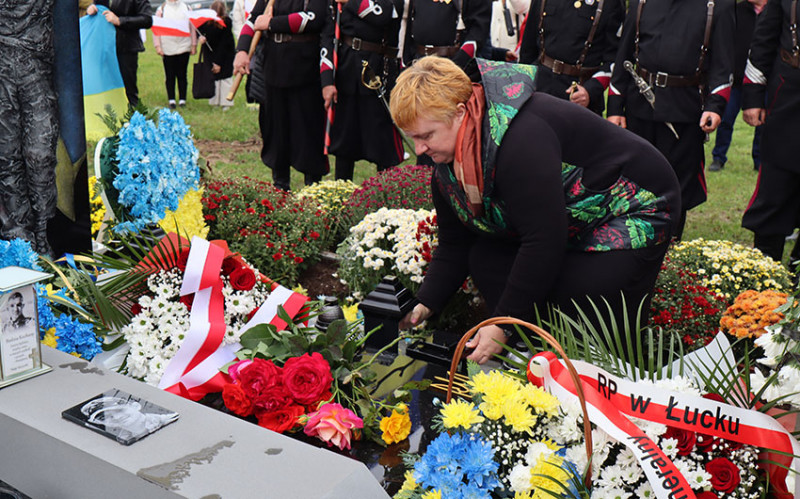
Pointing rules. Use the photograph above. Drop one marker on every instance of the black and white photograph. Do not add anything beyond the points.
(120, 416)
(19, 338)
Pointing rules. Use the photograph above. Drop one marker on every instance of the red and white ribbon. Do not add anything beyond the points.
(609, 399)
(170, 27)
(194, 371)
(201, 16)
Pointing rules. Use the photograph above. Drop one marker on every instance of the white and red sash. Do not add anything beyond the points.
(609, 399)
(170, 27)
(194, 371)
(201, 16)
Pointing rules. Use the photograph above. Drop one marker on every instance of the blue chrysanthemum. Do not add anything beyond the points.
(460, 465)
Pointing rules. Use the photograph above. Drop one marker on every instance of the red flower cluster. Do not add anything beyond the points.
(280, 234)
(428, 229)
(277, 396)
(399, 187)
(681, 305)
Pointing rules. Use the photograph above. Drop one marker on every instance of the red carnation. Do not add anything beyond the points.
(243, 279)
(724, 474)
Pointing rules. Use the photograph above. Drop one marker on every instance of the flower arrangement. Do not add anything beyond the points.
(280, 234)
(58, 330)
(98, 210)
(499, 444)
(781, 344)
(188, 219)
(401, 187)
(751, 312)
(157, 166)
(331, 195)
(294, 395)
(387, 241)
(161, 316)
(728, 268)
(682, 306)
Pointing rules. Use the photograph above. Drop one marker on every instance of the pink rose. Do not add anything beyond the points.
(333, 424)
(235, 369)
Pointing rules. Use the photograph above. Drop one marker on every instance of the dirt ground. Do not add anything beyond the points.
(218, 151)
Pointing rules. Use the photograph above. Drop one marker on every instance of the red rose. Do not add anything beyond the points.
(243, 279)
(724, 474)
(236, 400)
(686, 439)
(229, 265)
(307, 378)
(183, 258)
(187, 300)
(272, 398)
(707, 494)
(704, 442)
(258, 376)
(282, 420)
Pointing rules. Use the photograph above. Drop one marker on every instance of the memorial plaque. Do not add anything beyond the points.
(20, 350)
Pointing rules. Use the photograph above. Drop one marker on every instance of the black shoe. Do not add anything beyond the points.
(716, 166)
(172, 104)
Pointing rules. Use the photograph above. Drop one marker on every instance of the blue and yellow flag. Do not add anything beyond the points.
(102, 81)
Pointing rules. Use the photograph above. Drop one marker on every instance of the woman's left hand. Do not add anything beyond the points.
(485, 343)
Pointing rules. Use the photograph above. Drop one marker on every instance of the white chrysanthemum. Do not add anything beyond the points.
(537, 451)
(627, 458)
(577, 455)
(520, 478)
(614, 493)
(645, 491)
(670, 447)
(612, 476)
(698, 478)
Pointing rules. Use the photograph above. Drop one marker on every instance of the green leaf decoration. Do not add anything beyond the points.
(500, 116)
(640, 231)
(588, 209)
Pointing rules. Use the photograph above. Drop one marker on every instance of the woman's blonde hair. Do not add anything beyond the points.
(432, 87)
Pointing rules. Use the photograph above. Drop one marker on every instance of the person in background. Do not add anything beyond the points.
(128, 16)
(772, 98)
(746, 14)
(684, 52)
(291, 115)
(548, 205)
(239, 13)
(574, 45)
(362, 127)
(175, 51)
(218, 46)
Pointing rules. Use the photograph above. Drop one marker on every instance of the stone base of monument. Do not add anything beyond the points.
(204, 454)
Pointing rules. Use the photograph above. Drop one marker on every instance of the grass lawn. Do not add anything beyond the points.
(230, 143)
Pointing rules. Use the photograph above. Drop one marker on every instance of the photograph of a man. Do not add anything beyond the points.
(14, 318)
(19, 335)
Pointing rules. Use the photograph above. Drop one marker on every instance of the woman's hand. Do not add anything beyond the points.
(159, 50)
(201, 40)
(241, 64)
(485, 343)
(111, 17)
(91, 10)
(618, 120)
(215, 68)
(415, 317)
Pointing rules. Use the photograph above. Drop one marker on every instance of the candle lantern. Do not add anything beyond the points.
(20, 350)
(384, 307)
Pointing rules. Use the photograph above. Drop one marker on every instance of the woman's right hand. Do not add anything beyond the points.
(91, 10)
(160, 51)
(618, 120)
(418, 314)
(241, 64)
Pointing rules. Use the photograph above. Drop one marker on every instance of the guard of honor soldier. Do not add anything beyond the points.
(574, 43)
(681, 54)
(772, 97)
(291, 115)
(362, 127)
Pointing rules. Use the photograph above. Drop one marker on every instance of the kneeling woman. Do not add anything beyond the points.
(542, 202)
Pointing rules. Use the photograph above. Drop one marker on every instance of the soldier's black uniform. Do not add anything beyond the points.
(291, 115)
(28, 122)
(772, 82)
(447, 28)
(686, 79)
(574, 41)
(362, 127)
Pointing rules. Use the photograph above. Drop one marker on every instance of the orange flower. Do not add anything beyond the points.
(396, 427)
(751, 312)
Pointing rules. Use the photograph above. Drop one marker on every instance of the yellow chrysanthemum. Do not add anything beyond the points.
(409, 483)
(523, 495)
(540, 400)
(544, 474)
(492, 411)
(495, 386)
(300, 289)
(188, 217)
(98, 210)
(518, 416)
(460, 413)
(433, 494)
(50, 338)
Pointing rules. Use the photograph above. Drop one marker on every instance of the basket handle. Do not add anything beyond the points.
(547, 337)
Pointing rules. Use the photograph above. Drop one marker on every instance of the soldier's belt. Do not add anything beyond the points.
(562, 68)
(378, 48)
(442, 51)
(294, 37)
(792, 59)
(666, 80)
